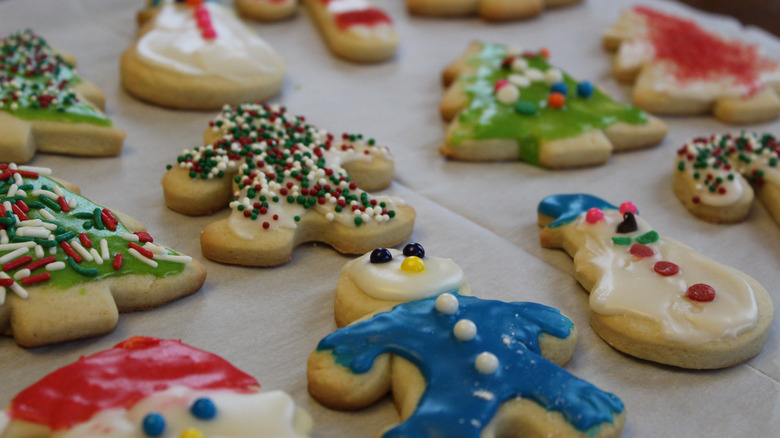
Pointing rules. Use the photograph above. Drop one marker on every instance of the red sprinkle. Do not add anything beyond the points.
(85, 240)
(144, 236)
(63, 204)
(13, 264)
(18, 211)
(36, 278)
(117, 262)
(666, 269)
(701, 292)
(641, 251)
(22, 206)
(6, 282)
(70, 252)
(109, 220)
(144, 252)
(41, 262)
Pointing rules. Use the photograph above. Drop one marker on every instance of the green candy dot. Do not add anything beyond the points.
(525, 108)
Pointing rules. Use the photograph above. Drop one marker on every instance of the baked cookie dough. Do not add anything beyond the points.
(491, 10)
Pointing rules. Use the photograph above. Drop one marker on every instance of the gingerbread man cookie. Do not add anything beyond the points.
(198, 55)
(681, 69)
(714, 176)
(286, 182)
(491, 10)
(461, 366)
(148, 387)
(506, 104)
(652, 297)
(68, 265)
(385, 277)
(46, 106)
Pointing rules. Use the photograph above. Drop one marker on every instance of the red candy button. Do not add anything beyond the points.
(700, 292)
(641, 251)
(666, 269)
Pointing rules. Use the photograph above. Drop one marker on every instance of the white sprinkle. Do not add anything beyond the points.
(55, 266)
(3, 237)
(16, 287)
(12, 190)
(52, 249)
(16, 245)
(553, 75)
(39, 252)
(130, 237)
(330, 216)
(18, 179)
(40, 170)
(22, 273)
(138, 255)
(73, 203)
(93, 252)
(46, 215)
(508, 94)
(47, 193)
(58, 191)
(104, 249)
(154, 248)
(14, 254)
(39, 232)
(173, 258)
(484, 395)
(81, 250)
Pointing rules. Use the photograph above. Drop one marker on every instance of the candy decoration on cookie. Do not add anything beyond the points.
(714, 175)
(462, 366)
(198, 55)
(46, 106)
(63, 254)
(509, 104)
(291, 184)
(652, 297)
(491, 10)
(153, 387)
(680, 68)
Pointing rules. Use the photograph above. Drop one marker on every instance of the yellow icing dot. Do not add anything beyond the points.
(191, 433)
(413, 264)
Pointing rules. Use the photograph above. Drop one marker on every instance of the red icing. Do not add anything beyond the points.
(641, 251)
(701, 292)
(120, 377)
(700, 55)
(367, 16)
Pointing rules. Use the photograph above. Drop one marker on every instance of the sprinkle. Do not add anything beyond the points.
(104, 249)
(628, 206)
(666, 269)
(44, 276)
(117, 264)
(556, 100)
(13, 255)
(700, 292)
(36, 170)
(16, 245)
(70, 252)
(486, 363)
(155, 249)
(39, 251)
(88, 272)
(641, 251)
(131, 237)
(141, 250)
(173, 258)
(133, 252)
(46, 215)
(648, 237)
(81, 250)
(465, 330)
(63, 204)
(144, 236)
(447, 304)
(15, 287)
(85, 240)
(17, 263)
(594, 215)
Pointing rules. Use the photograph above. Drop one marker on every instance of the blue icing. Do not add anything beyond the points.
(566, 208)
(450, 406)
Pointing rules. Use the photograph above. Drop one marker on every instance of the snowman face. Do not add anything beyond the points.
(393, 275)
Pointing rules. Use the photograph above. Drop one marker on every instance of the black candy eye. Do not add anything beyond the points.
(628, 225)
(381, 255)
(414, 249)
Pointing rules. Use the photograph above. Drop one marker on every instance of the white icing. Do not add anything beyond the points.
(465, 330)
(174, 42)
(628, 285)
(486, 363)
(387, 281)
(447, 304)
(270, 414)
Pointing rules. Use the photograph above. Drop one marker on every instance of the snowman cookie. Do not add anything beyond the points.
(679, 68)
(45, 106)
(460, 366)
(507, 104)
(491, 10)
(652, 297)
(148, 387)
(379, 280)
(198, 55)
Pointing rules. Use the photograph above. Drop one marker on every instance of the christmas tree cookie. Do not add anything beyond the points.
(506, 104)
(652, 297)
(286, 183)
(45, 106)
(68, 266)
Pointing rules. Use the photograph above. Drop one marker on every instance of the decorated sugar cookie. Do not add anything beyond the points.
(507, 104)
(286, 183)
(148, 387)
(461, 366)
(45, 106)
(652, 297)
(680, 68)
(198, 55)
(379, 280)
(714, 175)
(492, 10)
(68, 265)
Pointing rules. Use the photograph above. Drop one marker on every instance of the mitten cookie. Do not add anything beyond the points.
(70, 265)
(379, 280)
(198, 55)
(460, 366)
(492, 10)
(681, 69)
(291, 183)
(148, 387)
(714, 176)
(46, 106)
(504, 104)
(652, 297)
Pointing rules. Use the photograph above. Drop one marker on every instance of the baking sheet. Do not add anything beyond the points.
(483, 215)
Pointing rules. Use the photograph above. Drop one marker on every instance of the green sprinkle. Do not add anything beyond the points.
(621, 240)
(65, 236)
(648, 237)
(88, 272)
(83, 215)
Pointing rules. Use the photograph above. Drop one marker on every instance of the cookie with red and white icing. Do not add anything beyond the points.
(198, 55)
(652, 297)
(680, 68)
(286, 183)
(716, 176)
(267, 10)
(385, 277)
(491, 10)
(148, 387)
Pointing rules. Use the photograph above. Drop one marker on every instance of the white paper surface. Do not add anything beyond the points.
(482, 215)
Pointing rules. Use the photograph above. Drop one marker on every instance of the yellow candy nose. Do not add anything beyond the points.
(413, 264)
(191, 433)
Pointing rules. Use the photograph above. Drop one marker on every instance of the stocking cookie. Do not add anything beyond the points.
(46, 106)
(504, 104)
(198, 55)
(681, 69)
(492, 10)
(291, 183)
(461, 366)
(379, 280)
(714, 176)
(652, 297)
(68, 265)
(148, 387)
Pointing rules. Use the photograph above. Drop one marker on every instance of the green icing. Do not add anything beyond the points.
(73, 222)
(485, 118)
(37, 84)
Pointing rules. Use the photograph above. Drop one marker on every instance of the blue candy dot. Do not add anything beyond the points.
(585, 89)
(204, 409)
(414, 249)
(154, 424)
(559, 87)
(381, 255)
